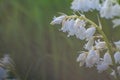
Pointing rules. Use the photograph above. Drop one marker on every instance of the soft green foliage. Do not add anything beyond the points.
(39, 50)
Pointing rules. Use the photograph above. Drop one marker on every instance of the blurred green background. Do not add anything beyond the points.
(39, 50)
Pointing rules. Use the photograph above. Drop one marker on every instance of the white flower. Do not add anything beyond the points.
(79, 27)
(102, 67)
(116, 22)
(81, 58)
(85, 5)
(89, 44)
(100, 45)
(106, 9)
(79, 22)
(110, 9)
(90, 32)
(117, 57)
(80, 5)
(58, 20)
(95, 4)
(92, 58)
(80, 32)
(117, 44)
(107, 59)
(116, 9)
(67, 26)
(104, 63)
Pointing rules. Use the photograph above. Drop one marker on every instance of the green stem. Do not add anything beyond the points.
(110, 49)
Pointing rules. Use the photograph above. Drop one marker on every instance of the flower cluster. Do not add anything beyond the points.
(98, 51)
(95, 44)
(108, 9)
(6, 68)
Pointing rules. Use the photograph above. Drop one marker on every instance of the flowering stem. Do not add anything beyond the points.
(109, 46)
(110, 49)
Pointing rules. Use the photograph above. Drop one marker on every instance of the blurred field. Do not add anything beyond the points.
(39, 50)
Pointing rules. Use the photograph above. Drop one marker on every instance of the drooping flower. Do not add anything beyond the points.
(85, 5)
(110, 9)
(79, 22)
(117, 44)
(116, 22)
(80, 32)
(107, 59)
(92, 58)
(95, 4)
(100, 45)
(81, 58)
(102, 67)
(80, 29)
(67, 26)
(90, 32)
(116, 9)
(80, 5)
(58, 20)
(117, 57)
(104, 63)
(89, 44)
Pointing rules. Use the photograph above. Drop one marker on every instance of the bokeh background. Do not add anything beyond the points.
(39, 50)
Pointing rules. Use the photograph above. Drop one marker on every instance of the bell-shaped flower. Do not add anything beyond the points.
(102, 67)
(100, 45)
(67, 26)
(79, 22)
(81, 5)
(116, 9)
(80, 32)
(92, 58)
(110, 9)
(95, 4)
(104, 63)
(107, 59)
(79, 28)
(89, 44)
(58, 20)
(117, 57)
(90, 32)
(81, 58)
(117, 44)
(85, 5)
(116, 23)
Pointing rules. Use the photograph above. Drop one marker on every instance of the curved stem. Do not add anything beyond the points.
(110, 48)
(107, 44)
